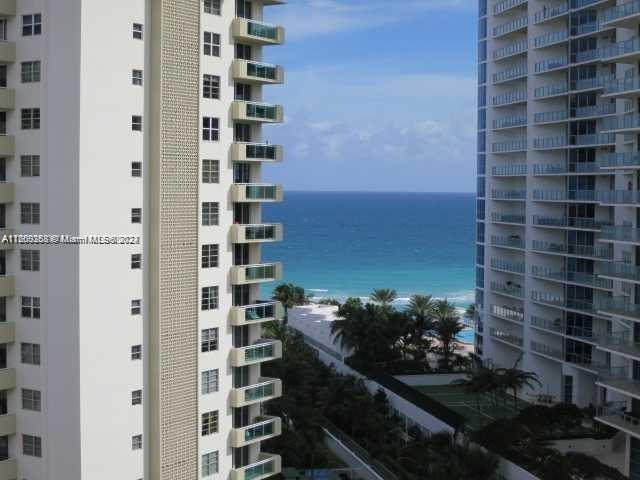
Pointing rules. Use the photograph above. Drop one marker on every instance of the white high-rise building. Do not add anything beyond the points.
(558, 254)
(140, 360)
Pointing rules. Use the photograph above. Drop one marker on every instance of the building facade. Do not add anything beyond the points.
(139, 359)
(558, 232)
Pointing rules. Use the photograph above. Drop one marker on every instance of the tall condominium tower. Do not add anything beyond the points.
(558, 220)
(138, 360)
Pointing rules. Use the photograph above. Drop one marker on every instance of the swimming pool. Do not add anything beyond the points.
(467, 336)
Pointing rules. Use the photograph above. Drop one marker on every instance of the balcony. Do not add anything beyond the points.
(565, 196)
(7, 286)
(586, 56)
(627, 160)
(266, 389)
(255, 192)
(511, 74)
(509, 171)
(549, 39)
(577, 278)
(7, 192)
(7, 52)
(7, 8)
(507, 266)
(621, 271)
(264, 272)
(506, 5)
(550, 13)
(513, 121)
(564, 169)
(622, 124)
(256, 152)
(7, 424)
(623, 52)
(509, 195)
(589, 251)
(619, 307)
(7, 332)
(511, 241)
(262, 233)
(551, 64)
(507, 313)
(9, 469)
(511, 27)
(510, 98)
(261, 351)
(256, 112)
(257, 313)
(7, 146)
(260, 429)
(257, 33)
(508, 289)
(619, 197)
(257, 72)
(515, 146)
(594, 111)
(623, 88)
(574, 223)
(546, 351)
(508, 218)
(266, 466)
(506, 337)
(511, 50)
(616, 415)
(620, 234)
(626, 15)
(620, 380)
(7, 378)
(552, 90)
(558, 116)
(550, 143)
(619, 342)
(558, 301)
(554, 326)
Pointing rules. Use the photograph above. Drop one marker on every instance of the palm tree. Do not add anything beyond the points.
(470, 312)
(421, 310)
(289, 295)
(446, 329)
(384, 296)
(515, 379)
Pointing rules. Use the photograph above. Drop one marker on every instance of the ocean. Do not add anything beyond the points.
(342, 244)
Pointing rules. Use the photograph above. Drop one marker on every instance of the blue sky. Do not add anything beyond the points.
(379, 95)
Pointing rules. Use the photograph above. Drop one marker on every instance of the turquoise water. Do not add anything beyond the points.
(346, 244)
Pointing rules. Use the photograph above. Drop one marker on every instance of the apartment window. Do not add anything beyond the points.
(30, 72)
(31, 400)
(31, 25)
(136, 77)
(30, 353)
(136, 261)
(212, 7)
(136, 306)
(30, 213)
(209, 342)
(210, 256)
(30, 260)
(137, 31)
(210, 129)
(30, 165)
(30, 307)
(136, 215)
(136, 169)
(209, 298)
(136, 352)
(32, 445)
(30, 118)
(209, 464)
(211, 86)
(243, 9)
(209, 423)
(211, 44)
(210, 171)
(243, 51)
(136, 397)
(136, 123)
(210, 380)
(136, 442)
(210, 213)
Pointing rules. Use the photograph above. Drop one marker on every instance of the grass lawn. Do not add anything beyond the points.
(454, 397)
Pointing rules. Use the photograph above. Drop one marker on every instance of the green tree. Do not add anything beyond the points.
(470, 312)
(289, 295)
(515, 379)
(446, 328)
(384, 296)
(421, 311)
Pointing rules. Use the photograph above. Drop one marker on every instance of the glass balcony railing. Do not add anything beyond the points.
(551, 64)
(261, 429)
(510, 74)
(510, 241)
(544, 349)
(594, 139)
(580, 278)
(260, 272)
(259, 311)
(509, 98)
(514, 25)
(505, 5)
(260, 469)
(506, 147)
(509, 170)
(498, 194)
(569, 222)
(543, 323)
(563, 168)
(507, 265)
(551, 90)
(549, 142)
(508, 288)
(590, 83)
(625, 122)
(585, 28)
(619, 306)
(549, 13)
(621, 48)
(586, 56)
(620, 160)
(506, 336)
(262, 30)
(594, 110)
(617, 413)
(605, 253)
(262, 70)
(508, 313)
(261, 351)
(511, 49)
(619, 197)
(261, 151)
(621, 234)
(508, 218)
(622, 85)
(582, 3)
(545, 117)
(511, 121)
(550, 38)
(620, 270)
(260, 391)
(260, 232)
(621, 11)
(262, 111)
(261, 192)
